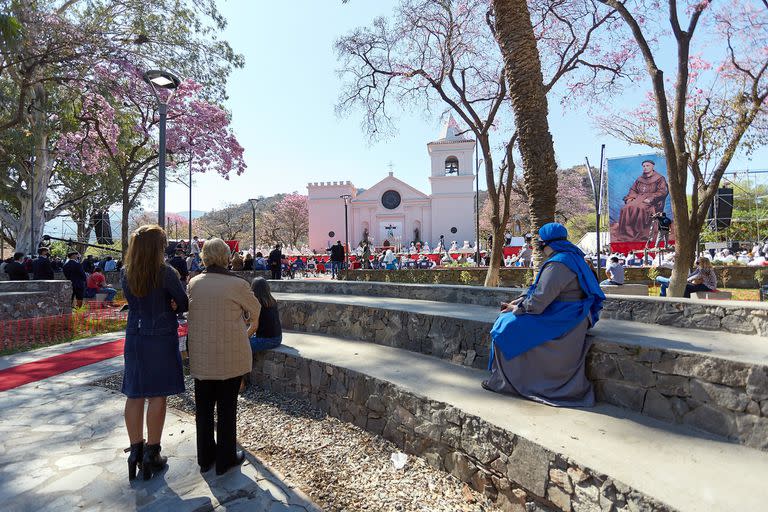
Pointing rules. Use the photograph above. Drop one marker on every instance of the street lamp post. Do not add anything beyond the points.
(254, 203)
(477, 206)
(162, 80)
(346, 197)
(189, 220)
(597, 193)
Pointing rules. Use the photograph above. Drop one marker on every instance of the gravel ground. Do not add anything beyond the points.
(340, 466)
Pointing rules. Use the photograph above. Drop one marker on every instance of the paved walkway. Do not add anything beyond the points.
(61, 448)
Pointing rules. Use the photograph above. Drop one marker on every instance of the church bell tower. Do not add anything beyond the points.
(452, 180)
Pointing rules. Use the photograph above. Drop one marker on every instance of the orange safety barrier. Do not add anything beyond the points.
(27, 332)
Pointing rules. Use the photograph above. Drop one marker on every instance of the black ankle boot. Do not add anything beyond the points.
(153, 462)
(135, 458)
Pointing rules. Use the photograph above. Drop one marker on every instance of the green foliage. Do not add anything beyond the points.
(465, 277)
(749, 218)
(761, 276)
(529, 277)
(59, 249)
(725, 277)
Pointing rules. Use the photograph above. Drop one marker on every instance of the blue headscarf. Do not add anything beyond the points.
(516, 334)
(556, 236)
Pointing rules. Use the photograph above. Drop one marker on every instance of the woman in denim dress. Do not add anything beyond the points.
(153, 367)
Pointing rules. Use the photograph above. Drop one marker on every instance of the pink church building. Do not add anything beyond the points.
(392, 213)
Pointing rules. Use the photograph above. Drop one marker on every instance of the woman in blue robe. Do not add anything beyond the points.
(539, 345)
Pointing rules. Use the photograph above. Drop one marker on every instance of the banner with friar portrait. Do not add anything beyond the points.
(638, 194)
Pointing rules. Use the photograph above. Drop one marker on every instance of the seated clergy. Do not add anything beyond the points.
(539, 343)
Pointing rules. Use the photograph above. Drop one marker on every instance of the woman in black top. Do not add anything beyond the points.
(270, 332)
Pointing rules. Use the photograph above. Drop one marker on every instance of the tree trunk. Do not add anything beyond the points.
(32, 202)
(497, 254)
(685, 254)
(514, 33)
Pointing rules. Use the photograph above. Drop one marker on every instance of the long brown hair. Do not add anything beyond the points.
(144, 260)
(260, 288)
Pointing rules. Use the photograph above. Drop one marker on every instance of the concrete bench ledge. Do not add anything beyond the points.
(717, 382)
(625, 289)
(740, 317)
(603, 458)
(718, 295)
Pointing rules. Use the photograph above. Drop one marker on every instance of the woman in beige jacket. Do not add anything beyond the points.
(221, 307)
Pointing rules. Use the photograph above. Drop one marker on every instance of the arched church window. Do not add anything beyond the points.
(451, 166)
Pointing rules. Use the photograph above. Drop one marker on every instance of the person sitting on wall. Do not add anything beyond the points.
(539, 346)
(109, 264)
(702, 279)
(615, 273)
(259, 262)
(269, 334)
(248, 262)
(237, 262)
(97, 283)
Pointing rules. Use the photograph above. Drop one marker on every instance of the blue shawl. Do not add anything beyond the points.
(516, 334)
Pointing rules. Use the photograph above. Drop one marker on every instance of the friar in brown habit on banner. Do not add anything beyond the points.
(645, 198)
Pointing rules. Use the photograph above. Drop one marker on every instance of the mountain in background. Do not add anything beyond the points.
(196, 214)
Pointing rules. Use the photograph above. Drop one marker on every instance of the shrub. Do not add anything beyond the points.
(761, 276)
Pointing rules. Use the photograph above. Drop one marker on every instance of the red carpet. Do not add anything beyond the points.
(16, 376)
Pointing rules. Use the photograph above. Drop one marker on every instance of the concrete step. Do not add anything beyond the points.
(739, 317)
(713, 381)
(603, 458)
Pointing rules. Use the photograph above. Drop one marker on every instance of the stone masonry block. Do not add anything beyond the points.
(636, 373)
(658, 406)
(757, 383)
(529, 466)
(718, 371)
(712, 419)
(621, 393)
(673, 385)
(723, 396)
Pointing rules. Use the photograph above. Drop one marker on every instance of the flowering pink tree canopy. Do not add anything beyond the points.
(290, 221)
(706, 111)
(118, 117)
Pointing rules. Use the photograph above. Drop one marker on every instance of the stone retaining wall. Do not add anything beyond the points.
(34, 299)
(731, 398)
(738, 317)
(509, 469)
(736, 276)
(436, 292)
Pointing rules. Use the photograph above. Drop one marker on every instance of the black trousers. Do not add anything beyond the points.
(221, 394)
(275, 272)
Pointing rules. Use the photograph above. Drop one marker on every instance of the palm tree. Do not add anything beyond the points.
(528, 94)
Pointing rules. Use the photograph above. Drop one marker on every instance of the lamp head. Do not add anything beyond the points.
(161, 79)
(254, 202)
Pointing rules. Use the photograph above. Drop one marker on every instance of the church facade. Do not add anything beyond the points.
(393, 213)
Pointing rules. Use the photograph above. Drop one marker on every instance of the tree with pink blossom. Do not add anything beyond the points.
(119, 117)
(48, 49)
(708, 112)
(448, 56)
(291, 215)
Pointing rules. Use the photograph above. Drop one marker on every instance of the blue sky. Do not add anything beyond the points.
(283, 110)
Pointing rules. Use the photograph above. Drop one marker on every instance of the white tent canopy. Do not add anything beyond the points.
(588, 242)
